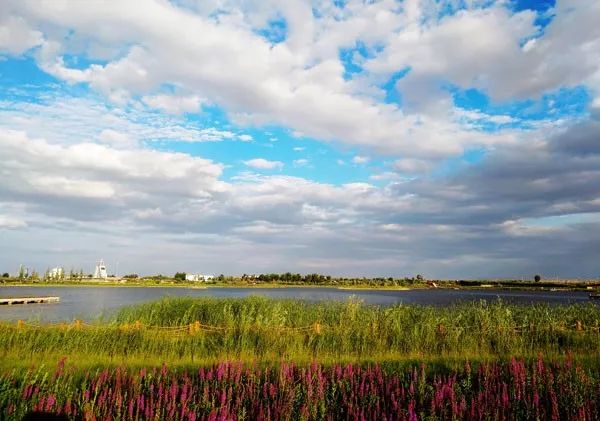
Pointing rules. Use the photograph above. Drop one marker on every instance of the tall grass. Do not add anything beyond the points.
(270, 330)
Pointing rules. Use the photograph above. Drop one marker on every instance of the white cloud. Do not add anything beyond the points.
(178, 206)
(264, 164)
(477, 116)
(117, 139)
(298, 83)
(388, 176)
(87, 171)
(301, 162)
(412, 165)
(490, 56)
(245, 138)
(11, 222)
(360, 160)
(16, 36)
(298, 148)
(71, 119)
(174, 104)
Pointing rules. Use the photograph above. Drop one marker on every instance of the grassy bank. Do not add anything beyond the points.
(205, 330)
(358, 284)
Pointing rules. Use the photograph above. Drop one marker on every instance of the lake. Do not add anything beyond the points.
(88, 303)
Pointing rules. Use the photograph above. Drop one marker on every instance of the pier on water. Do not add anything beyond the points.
(28, 300)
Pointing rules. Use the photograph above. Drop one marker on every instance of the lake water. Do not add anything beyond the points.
(88, 303)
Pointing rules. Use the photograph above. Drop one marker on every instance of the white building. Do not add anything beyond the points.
(195, 277)
(100, 271)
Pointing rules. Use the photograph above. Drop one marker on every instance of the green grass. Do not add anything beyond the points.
(259, 329)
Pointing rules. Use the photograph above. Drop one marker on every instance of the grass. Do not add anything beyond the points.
(207, 330)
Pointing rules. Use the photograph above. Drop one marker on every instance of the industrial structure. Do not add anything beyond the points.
(100, 271)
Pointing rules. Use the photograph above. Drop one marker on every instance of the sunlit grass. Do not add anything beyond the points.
(259, 329)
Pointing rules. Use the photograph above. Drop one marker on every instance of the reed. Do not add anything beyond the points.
(204, 330)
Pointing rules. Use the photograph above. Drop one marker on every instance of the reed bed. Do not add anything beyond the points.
(232, 391)
(212, 329)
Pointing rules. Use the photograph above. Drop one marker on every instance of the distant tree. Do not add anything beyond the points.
(131, 276)
(6, 275)
(537, 278)
(420, 278)
(179, 276)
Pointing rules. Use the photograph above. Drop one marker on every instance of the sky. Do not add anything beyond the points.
(449, 138)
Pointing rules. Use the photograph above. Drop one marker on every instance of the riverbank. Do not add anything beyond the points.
(591, 286)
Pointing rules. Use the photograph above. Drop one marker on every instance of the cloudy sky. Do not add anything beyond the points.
(453, 138)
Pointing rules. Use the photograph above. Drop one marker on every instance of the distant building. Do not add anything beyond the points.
(100, 271)
(56, 273)
(194, 277)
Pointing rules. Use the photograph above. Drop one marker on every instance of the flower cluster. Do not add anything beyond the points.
(231, 390)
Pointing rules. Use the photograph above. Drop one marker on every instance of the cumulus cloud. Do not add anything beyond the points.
(360, 160)
(412, 165)
(82, 177)
(298, 83)
(472, 224)
(16, 36)
(174, 104)
(97, 179)
(300, 162)
(494, 35)
(263, 164)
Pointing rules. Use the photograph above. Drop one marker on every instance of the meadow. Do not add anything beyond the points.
(293, 359)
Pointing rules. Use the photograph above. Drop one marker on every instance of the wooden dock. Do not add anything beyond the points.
(28, 300)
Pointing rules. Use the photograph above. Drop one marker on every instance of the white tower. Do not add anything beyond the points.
(100, 272)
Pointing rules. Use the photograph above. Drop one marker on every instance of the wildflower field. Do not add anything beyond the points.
(513, 390)
(256, 358)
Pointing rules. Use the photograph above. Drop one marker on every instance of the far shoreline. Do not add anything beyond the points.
(548, 286)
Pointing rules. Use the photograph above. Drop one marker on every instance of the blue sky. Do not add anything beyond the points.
(289, 128)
